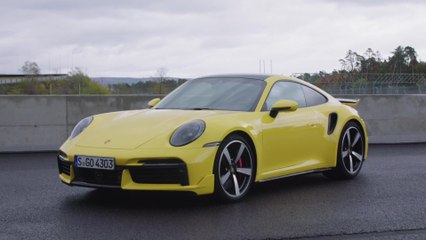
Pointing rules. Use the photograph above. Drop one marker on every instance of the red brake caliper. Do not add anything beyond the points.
(240, 164)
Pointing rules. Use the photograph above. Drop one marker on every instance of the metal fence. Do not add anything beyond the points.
(372, 83)
(340, 83)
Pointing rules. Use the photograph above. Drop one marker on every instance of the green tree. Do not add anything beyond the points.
(411, 56)
(79, 83)
(398, 60)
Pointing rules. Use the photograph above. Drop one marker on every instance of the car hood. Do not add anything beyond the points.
(131, 129)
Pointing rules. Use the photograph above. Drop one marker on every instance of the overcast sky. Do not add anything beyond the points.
(190, 38)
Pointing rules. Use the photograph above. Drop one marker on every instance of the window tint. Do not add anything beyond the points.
(313, 97)
(285, 91)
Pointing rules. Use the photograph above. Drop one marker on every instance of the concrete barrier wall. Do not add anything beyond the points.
(42, 123)
(393, 118)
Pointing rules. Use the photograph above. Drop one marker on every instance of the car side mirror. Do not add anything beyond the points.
(153, 102)
(283, 106)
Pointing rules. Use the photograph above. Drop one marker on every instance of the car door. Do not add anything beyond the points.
(323, 149)
(290, 139)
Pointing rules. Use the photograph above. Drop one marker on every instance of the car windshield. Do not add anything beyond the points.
(218, 93)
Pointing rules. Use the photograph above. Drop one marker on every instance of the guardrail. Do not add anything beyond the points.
(42, 123)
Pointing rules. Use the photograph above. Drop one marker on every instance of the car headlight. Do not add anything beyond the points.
(83, 124)
(187, 133)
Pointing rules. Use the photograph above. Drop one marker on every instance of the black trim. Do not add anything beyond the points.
(297, 174)
(274, 111)
(91, 185)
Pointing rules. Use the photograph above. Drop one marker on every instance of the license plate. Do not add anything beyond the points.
(106, 163)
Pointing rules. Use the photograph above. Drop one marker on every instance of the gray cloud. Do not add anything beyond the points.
(368, 3)
(190, 38)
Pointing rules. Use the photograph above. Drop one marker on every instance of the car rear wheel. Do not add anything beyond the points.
(234, 169)
(350, 155)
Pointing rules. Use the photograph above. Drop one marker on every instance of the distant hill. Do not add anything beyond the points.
(129, 80)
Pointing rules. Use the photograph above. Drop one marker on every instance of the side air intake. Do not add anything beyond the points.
(332, 121)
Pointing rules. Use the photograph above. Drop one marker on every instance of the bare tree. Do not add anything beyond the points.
(161, 74)
(368, 60)
(30, 83)
(351, 62)
(30, 68)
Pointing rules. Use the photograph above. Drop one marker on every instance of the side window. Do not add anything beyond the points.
(285, 90)
(313, 97)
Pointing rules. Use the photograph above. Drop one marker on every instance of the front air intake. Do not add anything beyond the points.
(64, 165)
(171, 171)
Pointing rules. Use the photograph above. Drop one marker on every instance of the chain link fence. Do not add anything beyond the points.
(340, 83)
(371, 83)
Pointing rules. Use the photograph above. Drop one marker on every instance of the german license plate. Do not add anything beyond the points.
(106, 163)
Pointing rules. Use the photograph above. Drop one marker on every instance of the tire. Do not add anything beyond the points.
(350, 153)
(234, 169)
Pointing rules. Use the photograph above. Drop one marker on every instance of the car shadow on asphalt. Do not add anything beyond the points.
(260, 193)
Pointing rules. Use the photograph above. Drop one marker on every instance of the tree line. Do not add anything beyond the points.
(160, 86)
(75, 82)
(403, 60)
(355, 68)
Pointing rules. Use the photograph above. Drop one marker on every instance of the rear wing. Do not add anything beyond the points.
(349, 102)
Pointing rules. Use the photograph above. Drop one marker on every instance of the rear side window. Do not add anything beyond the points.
(313, 97)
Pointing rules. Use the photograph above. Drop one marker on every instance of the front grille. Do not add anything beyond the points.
(172, 171)
(63, 165)
(98, 176)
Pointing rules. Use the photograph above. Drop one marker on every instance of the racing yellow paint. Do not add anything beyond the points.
(292, 142)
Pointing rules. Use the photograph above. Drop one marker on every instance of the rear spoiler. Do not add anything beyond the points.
(349, 102)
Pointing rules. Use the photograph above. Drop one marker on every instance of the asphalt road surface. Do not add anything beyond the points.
(386, 201)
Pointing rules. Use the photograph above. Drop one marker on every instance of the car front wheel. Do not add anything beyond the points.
(234, 169)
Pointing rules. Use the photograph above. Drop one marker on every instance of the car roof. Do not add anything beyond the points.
(260, 77)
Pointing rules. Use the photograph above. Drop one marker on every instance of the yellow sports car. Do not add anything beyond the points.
(218, 134)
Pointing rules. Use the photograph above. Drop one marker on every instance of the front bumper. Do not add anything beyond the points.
(143, 169)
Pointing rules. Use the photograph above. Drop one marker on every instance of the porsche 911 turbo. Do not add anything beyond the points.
(218, 135)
